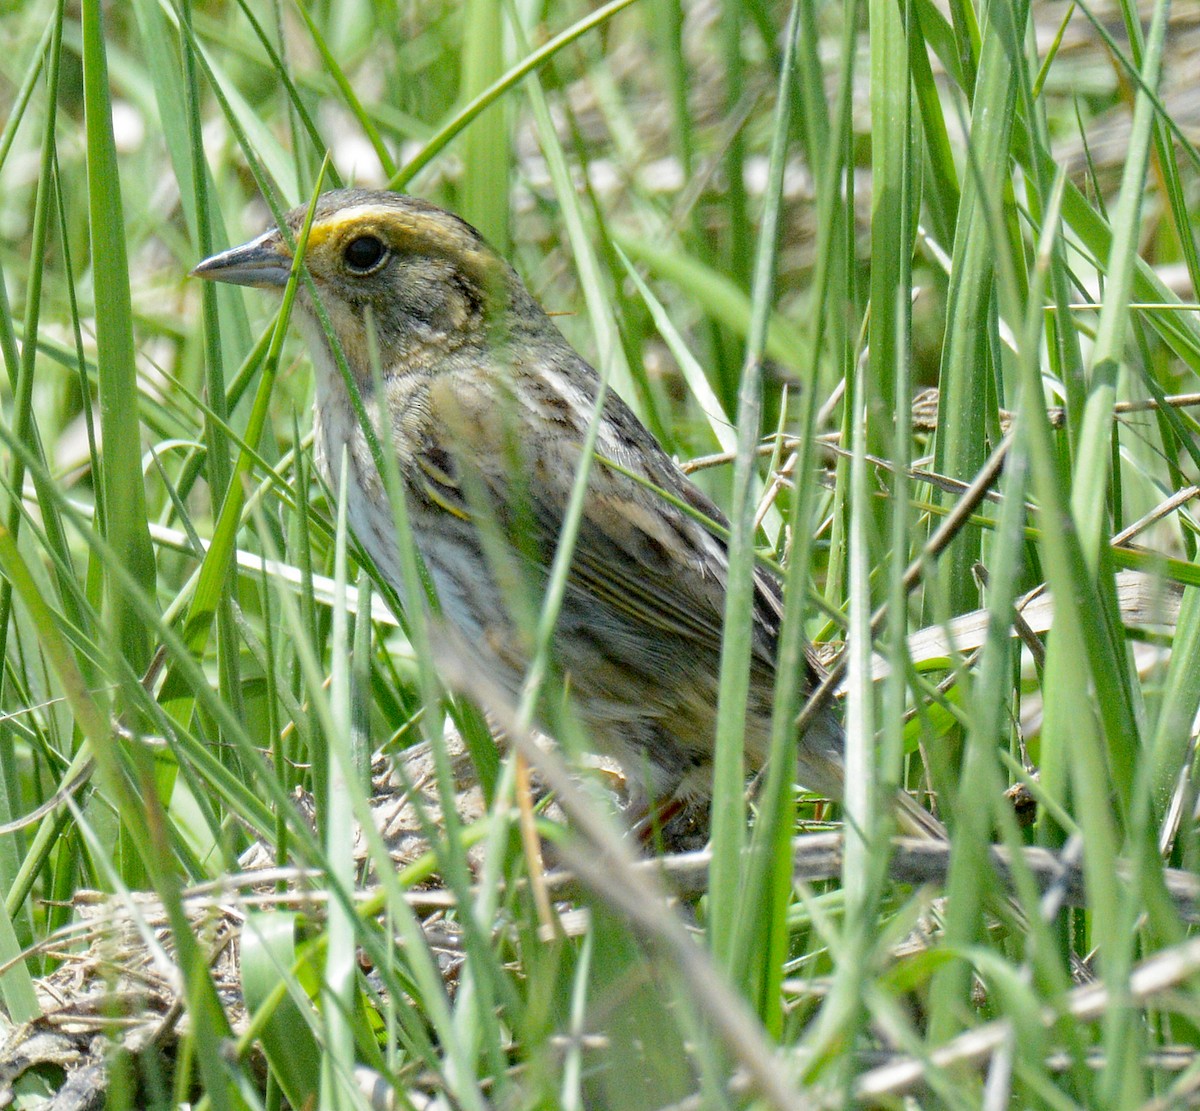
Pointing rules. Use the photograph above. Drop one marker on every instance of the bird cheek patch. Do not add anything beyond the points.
(351, 330)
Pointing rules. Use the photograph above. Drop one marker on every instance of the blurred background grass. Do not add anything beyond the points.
(994, 200)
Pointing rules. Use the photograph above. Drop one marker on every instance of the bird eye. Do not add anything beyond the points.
(364, 254)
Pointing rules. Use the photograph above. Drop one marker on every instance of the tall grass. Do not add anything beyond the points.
(765, 225)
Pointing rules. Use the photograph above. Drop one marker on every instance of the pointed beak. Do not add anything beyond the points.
(263, 262)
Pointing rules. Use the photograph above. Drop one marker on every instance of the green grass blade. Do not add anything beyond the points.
(124, 490)
(729, 915)
(486, 148)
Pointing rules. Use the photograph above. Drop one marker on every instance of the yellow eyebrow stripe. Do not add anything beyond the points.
(391, 224)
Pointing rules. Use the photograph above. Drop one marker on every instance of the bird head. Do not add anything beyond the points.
(424, 280)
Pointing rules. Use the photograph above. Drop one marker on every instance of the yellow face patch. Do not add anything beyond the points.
(399, 229)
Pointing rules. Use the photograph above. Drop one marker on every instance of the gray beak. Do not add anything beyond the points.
(264, 261)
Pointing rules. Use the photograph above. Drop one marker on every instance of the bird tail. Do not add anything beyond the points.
(820, 767)
(916, 821)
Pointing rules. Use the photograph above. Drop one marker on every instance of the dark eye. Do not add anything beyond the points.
(364, 254)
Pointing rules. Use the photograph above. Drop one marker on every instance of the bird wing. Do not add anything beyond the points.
(647, 560)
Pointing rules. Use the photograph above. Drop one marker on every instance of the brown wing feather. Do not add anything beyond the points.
(644, 557)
